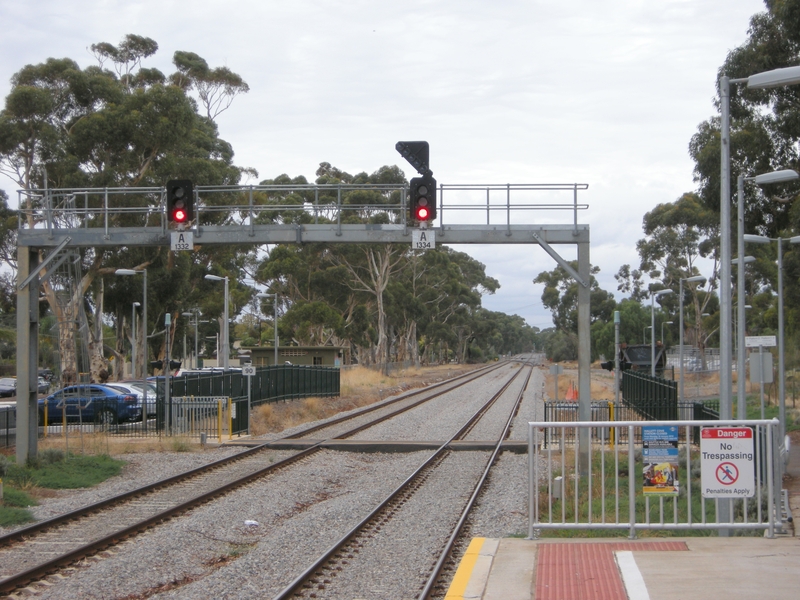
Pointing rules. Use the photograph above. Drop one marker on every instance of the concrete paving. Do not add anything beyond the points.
(711, 567)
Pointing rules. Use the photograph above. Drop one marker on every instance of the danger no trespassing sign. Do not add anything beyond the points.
(727, 462)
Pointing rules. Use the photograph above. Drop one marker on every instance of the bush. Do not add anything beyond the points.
(5, 464)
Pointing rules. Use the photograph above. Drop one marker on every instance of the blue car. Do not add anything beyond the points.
(90, 402)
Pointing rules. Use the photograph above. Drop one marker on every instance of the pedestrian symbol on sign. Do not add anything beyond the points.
(727, 473)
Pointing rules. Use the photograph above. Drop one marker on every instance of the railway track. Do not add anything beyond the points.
(43, 549)
(351, 551)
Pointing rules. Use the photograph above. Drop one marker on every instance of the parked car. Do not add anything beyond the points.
(43, 385)
(8, 387)
(91, 402)
(138, 389)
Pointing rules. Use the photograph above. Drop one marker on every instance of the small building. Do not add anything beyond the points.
(325, 356)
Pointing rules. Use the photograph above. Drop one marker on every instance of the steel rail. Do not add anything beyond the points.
(467, 377)
(42, 570)
(403, 488)
(437, 569)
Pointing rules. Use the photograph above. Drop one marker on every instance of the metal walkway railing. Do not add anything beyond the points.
(658, 478)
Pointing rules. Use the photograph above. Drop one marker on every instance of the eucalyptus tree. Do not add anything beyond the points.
(63, 126)
(764, 133)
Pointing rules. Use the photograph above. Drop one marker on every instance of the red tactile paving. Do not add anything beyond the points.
(586, 571)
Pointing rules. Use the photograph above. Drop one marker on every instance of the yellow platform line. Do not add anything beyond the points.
(464, 572)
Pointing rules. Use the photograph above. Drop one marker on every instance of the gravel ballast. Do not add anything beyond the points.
(254, 541)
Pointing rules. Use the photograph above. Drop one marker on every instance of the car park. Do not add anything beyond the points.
(90, 402)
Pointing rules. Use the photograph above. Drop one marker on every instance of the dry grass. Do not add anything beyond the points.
(99, 443)
(602, 383)
(359, 386)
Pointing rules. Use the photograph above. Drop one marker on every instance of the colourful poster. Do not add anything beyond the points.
(660, 455)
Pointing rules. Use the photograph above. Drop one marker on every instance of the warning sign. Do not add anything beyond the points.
(727, 462)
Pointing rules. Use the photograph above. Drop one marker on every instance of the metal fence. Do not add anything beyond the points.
(180, 416)
(607, 410)
(8, 426)
(605, 484)
(269, 384)
(653, 397)
(217, 418)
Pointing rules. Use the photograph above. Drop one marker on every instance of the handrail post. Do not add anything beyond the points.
(631, 486)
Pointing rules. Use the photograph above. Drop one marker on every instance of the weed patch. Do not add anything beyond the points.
(74, 471)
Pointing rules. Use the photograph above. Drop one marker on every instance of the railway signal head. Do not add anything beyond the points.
(417, 154)
(423, 198)
(180, 201)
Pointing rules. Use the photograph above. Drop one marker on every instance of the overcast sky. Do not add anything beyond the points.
(602, 92)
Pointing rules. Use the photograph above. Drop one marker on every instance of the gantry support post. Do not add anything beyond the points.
(27, 354)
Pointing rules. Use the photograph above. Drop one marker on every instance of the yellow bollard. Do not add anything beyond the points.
(612, 430)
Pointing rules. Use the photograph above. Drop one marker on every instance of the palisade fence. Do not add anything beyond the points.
(644, 398)
(608, 410)
(269, 384)
(214, 403)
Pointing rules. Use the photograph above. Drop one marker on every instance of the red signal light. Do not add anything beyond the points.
(179, 215)
(422, 213)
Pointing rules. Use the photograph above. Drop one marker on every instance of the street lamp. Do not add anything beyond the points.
(759, 239)
(653, 327)
(275, 317)
(133, 339)
(767, 79)
(662, 331)
(225, 339)
(695, 279)
(195, 314)
(144, 314)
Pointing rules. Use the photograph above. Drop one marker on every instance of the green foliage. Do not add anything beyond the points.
(560, 295)
(75, 471)
(13, 497)
(5, 464)
(12, 515)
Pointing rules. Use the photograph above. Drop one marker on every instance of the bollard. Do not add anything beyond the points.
(203, 439)
(558, 488)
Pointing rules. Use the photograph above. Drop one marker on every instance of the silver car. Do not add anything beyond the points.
(138, 389)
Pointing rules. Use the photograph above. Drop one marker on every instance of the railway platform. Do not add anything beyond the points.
(708, 568)
(619, 569)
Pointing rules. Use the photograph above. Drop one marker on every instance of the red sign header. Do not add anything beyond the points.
(727, 433)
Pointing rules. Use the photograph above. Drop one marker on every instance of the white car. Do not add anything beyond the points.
(137, 388)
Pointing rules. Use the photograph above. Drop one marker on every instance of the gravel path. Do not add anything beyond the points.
(214, 551)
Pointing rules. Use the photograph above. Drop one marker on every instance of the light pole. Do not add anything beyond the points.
(739, 317)
(144, 312)
(225, 338)
(662, 331)
(275, 317)
(195, 314)
(653, 327)
(133, 339)
(759, 239)
(767, 79)
(763, 179)
(695, 279)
